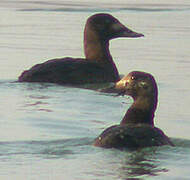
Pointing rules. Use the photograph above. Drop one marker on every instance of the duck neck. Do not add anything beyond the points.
(97, 50)
(141, 111)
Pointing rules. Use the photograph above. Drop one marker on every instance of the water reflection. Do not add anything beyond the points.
(38, 102)
(140, 164)
(39, 96)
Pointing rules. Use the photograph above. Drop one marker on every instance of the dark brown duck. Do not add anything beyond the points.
(136, 129)
(97, 66)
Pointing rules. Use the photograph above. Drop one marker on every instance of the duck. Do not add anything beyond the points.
(97, 66)
(136, 129)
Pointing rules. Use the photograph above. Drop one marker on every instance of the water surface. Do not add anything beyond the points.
(47, 130)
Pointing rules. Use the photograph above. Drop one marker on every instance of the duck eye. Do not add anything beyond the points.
(133, 77)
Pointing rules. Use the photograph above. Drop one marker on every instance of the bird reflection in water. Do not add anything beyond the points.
(141, 164)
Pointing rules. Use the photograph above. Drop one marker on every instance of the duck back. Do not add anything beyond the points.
(69, 71)
(132, 136)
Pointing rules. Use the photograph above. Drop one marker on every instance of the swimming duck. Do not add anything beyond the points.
(136, 130)
(97, 66)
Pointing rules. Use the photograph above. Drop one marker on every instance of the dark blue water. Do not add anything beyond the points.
(46, 130)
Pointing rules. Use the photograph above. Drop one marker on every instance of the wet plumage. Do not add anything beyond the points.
(97, 66)
(136, 130)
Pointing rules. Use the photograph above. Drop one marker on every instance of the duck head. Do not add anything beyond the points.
(107, 27)
(140, 86)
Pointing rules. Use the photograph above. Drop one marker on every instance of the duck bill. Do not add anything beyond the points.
(121, 86)
(122, 31)
(116, 88)
(131, 34)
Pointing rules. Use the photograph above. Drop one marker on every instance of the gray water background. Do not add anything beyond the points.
(46, 130)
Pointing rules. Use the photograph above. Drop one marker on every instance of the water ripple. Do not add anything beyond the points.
(100, 6)
(105, 9)
(49, 149)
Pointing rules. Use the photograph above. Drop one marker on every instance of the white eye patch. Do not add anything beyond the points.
(143, 84)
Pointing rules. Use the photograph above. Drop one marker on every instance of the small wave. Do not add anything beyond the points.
(47, 149)
(105, 9)
(183, 143)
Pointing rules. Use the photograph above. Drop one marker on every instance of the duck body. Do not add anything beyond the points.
(70, 71)
(97, 66)
(132, 136)
(136, 130)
